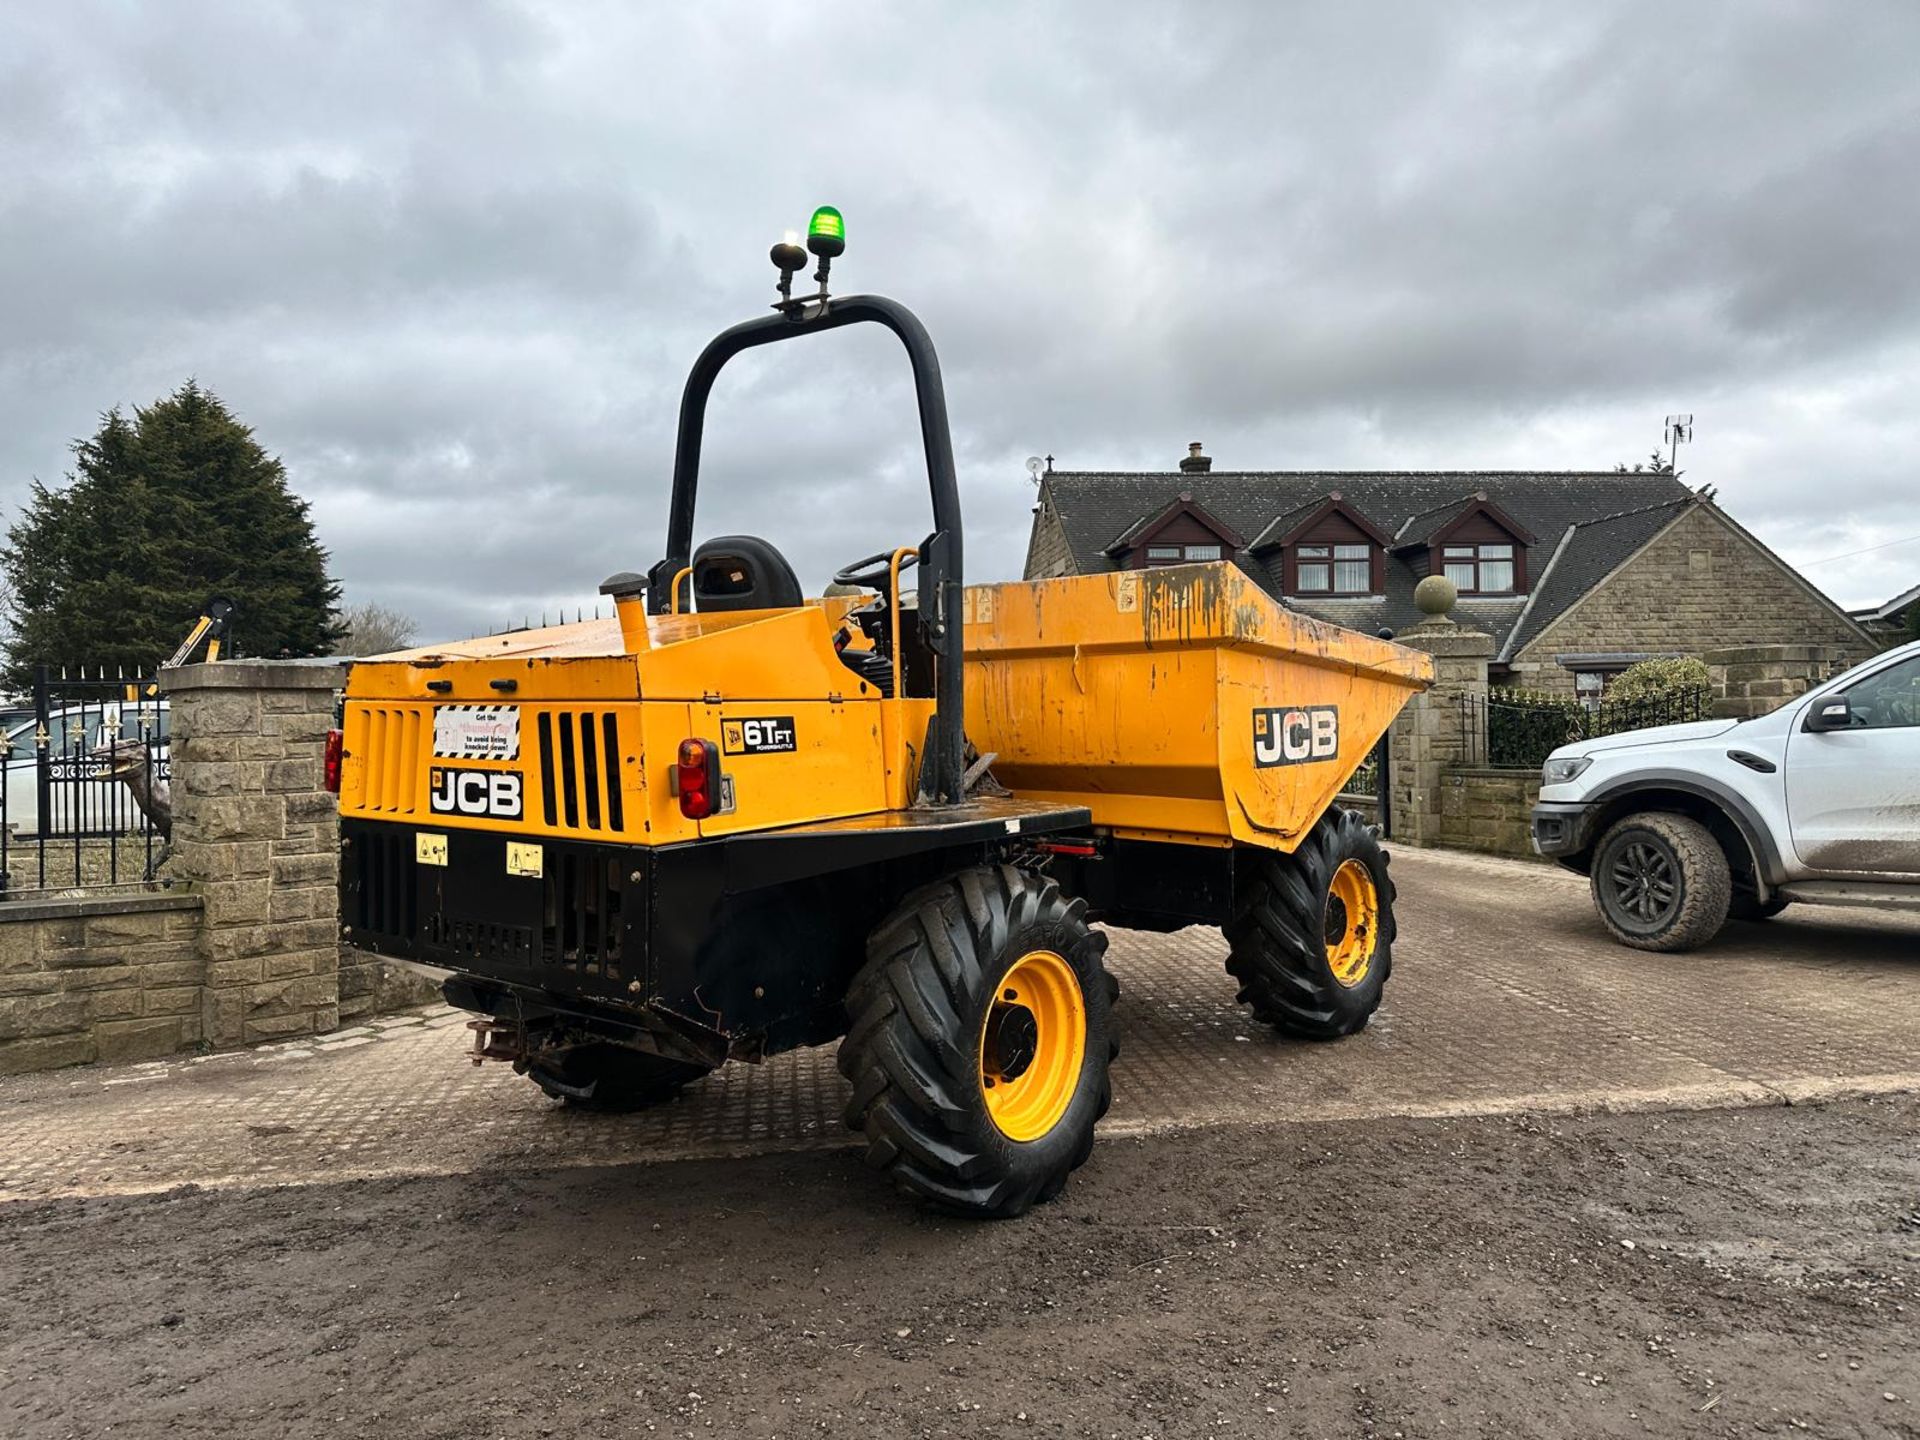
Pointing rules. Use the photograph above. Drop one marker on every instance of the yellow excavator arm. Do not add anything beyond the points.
(211, 627)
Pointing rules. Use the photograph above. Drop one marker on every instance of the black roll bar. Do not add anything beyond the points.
(940, 558)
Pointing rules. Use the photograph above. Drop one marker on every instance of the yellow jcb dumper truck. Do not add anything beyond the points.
(731, 821)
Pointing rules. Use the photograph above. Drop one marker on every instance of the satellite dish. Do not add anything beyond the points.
(1035, 465)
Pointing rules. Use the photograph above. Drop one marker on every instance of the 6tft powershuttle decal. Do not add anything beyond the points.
(731, 820)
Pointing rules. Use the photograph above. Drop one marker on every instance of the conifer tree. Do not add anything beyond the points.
(158, 513)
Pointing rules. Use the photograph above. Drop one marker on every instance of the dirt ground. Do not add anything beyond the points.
(1712, 1273)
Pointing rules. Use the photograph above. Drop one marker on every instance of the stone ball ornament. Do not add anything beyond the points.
(1435, 595)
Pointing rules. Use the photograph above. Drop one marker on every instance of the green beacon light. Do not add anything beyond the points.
(827, 233)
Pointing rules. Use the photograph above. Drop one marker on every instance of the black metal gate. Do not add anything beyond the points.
(1373, 779)
(84, 780)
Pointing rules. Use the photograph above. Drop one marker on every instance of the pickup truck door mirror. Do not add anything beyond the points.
(1835, 712)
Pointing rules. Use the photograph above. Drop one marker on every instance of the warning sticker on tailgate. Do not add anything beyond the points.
(476, 732)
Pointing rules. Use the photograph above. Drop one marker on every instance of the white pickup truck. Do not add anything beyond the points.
(1680, 826)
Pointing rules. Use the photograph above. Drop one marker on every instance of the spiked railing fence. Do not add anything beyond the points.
(1517, 730)
(83, 781)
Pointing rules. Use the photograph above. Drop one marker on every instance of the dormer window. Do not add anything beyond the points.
(1485, 569)
(1183, 533)
(1181, 554)
(1333, 569)
(1471, 541)
(1324, 549)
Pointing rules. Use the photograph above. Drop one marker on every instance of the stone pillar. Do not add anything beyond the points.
(256, 835)
(1431, 732)
(1750, 680)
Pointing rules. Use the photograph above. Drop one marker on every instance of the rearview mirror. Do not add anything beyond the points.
(1832, 713)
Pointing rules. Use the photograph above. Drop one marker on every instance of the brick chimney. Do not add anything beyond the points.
(1196, 463)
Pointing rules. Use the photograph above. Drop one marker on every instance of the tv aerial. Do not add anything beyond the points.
(1679, 432)
(1036, 467)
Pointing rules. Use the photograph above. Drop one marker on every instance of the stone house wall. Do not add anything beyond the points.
(1752, 680)
(1048, 553)
(1701, 582)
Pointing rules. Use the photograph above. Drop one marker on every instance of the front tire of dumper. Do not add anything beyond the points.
(979, 1042)
(611, 1078)
(1311, 939)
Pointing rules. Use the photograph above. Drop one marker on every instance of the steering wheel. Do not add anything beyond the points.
(875, 572)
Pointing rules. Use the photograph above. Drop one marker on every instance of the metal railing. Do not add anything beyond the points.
(84, 781)
(1517, 730)
(1366, 779)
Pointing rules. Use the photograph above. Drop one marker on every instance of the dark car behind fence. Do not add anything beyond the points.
(1517, 730)
(83, 787)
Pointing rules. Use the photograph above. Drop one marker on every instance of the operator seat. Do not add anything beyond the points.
(743, 572)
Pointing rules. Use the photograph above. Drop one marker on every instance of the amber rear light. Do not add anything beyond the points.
(330, 767)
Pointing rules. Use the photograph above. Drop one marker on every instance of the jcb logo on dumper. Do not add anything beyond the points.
(494, 793)
(1293, 736)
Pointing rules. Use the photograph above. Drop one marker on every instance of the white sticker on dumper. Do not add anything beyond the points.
(476, 732)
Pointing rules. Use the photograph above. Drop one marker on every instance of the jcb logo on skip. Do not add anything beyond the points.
(1292, 736)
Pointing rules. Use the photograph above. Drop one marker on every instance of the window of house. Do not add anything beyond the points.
(1175, 554)
(1479, 569)
(1334, 569)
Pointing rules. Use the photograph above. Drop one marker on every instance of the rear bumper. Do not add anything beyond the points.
(1562, 830)
(575, 921)
(740, 944)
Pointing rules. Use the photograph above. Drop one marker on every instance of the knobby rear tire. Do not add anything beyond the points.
(913, 1050)
(1276, 940)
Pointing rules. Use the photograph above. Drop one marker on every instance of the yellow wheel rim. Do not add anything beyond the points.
(1032, 1040)
(1353, 922)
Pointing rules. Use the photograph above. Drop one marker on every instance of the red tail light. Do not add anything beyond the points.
(330, 768)
(696, 778)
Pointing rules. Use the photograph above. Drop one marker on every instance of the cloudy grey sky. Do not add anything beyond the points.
(452, 259)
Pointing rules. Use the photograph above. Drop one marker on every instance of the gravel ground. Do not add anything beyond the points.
(1713, 1273)
(1507, 997)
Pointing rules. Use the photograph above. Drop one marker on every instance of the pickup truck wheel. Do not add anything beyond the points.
(1311, 939)
(611, 1078)
(1661, 882)
(980, 1039)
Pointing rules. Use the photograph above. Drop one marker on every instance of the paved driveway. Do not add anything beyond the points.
(1506, 997)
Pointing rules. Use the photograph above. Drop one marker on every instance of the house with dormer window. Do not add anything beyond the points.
(1576, 574)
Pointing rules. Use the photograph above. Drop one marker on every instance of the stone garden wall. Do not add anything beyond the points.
(242, 944)
(117, 978)
(1437, 798)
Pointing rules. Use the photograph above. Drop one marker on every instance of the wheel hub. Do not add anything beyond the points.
(1336, 921)
(1013, 1039)
(1351, 919)
(1645, 883)
(1033, 1040)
